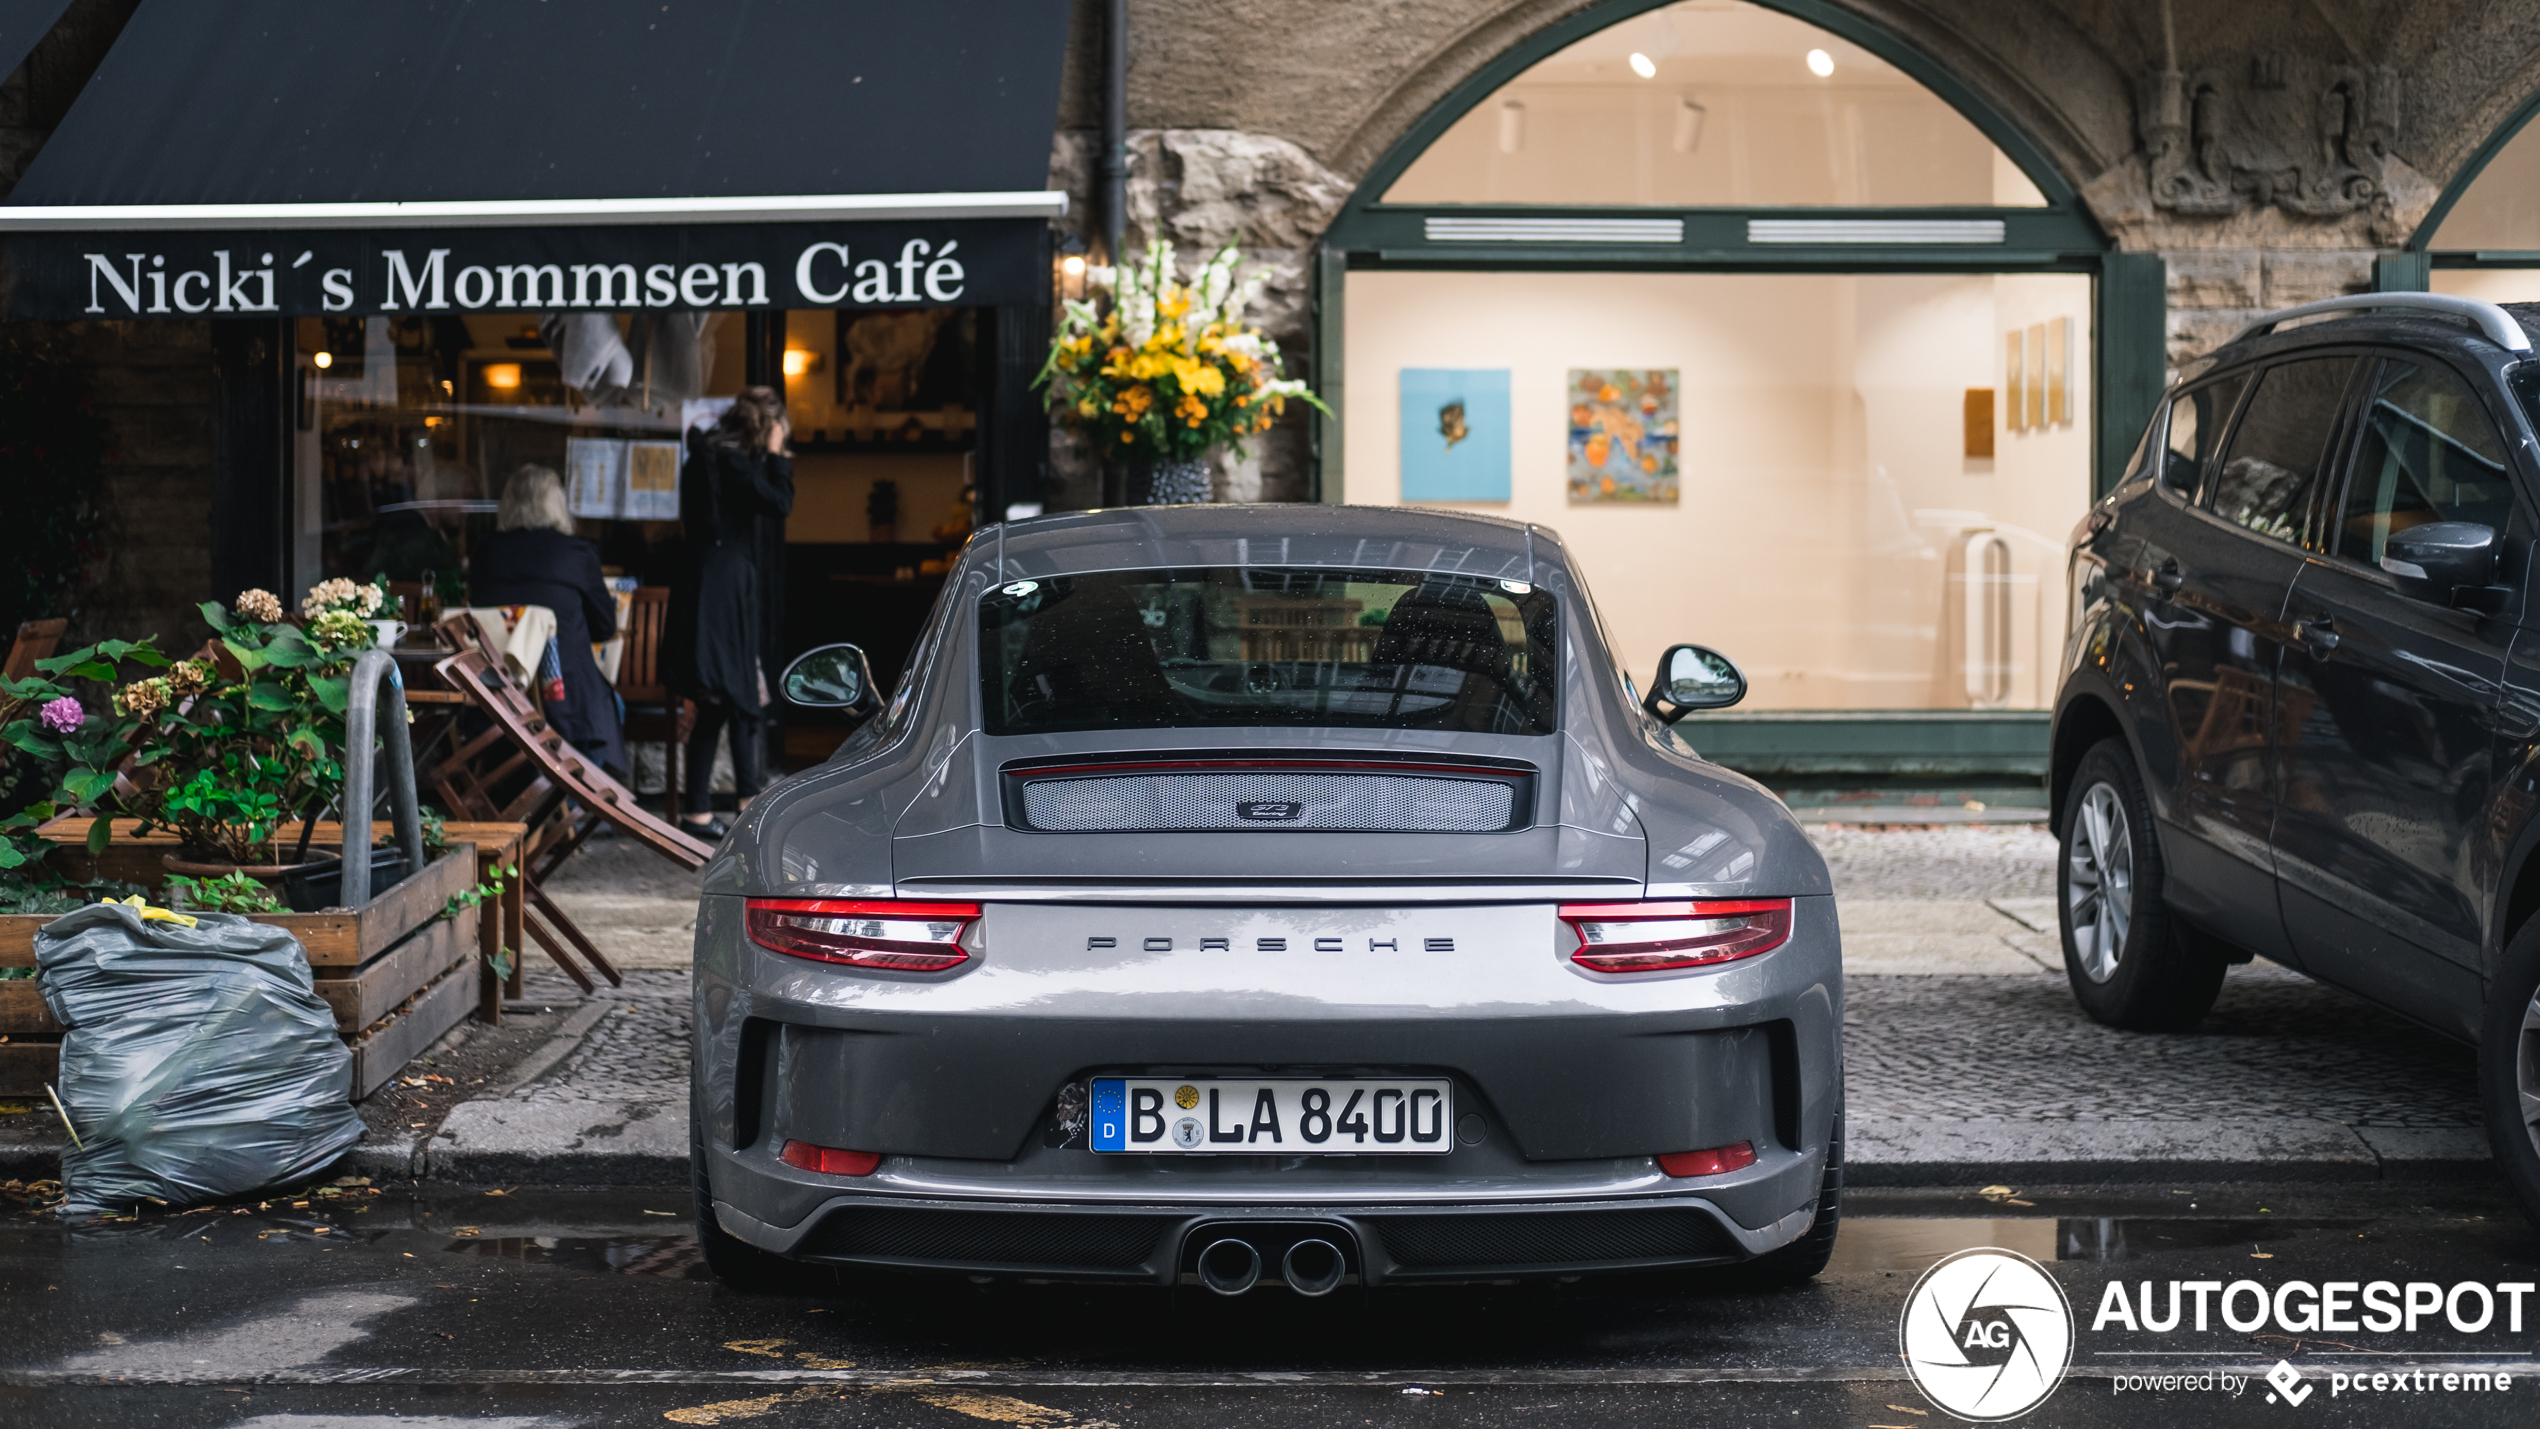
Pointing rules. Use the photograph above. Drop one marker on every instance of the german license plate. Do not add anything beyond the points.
(1363, 1116)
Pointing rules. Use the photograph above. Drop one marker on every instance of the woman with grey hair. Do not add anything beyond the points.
(533, 558)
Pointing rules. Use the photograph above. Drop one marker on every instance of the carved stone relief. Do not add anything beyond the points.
(2280, 131)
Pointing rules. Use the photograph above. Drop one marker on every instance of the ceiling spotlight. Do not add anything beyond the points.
(1820, 63)
(1644, 66)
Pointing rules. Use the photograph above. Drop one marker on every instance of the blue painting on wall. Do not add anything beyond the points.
(1455, 443)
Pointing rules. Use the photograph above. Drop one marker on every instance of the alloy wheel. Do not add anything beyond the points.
(2527, 1071)
(2099, 884)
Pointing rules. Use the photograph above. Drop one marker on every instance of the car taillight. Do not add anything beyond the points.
(1737, 1155)
(1650, 937)
(886, 933)
(829, 1160)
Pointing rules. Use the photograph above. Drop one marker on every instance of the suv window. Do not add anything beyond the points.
(2428, 452)
(2195, 428)
(2279, 446)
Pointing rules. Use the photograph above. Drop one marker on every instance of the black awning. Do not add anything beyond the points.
(22, 23)
(726, 133)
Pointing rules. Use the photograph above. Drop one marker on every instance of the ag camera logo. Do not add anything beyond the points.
(1987, 1334)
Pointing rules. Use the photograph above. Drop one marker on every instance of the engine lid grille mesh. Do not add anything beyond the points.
(1273, 799)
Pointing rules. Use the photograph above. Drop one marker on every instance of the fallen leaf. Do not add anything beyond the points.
(661, 1213)
(2260, 1255)
(465, 1230)
(2016, 1201)
(768, 1348)
(729, 1409)
(812, 1361)
(1003, 1409)
(1901, 1409)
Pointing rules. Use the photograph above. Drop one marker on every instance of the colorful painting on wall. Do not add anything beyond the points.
(1623, 435)
(1455, 434)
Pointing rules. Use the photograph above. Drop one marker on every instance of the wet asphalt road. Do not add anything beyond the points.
(568, 1309)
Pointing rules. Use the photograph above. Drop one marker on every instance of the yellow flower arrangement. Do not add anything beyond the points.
(1172, 369)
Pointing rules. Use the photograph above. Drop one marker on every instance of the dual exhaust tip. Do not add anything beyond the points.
(1232, 1266)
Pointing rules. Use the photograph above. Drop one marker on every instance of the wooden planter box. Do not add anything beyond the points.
(394, 970)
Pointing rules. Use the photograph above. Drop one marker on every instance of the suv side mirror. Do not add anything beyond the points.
(2444, 563)
(831, 677)
(1692, 677)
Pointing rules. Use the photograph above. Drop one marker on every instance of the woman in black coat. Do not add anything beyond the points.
(533, 558)
(734, 475)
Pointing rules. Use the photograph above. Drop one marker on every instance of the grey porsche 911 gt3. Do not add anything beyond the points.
(1275, 893)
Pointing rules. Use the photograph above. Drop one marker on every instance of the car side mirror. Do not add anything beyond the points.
(2443, 562)
(831, 677)
(1693, 677)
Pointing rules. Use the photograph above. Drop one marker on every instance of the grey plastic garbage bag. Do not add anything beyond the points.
(197, 1062)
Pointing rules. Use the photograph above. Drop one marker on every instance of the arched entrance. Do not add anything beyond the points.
(2482, 237)
(1807, 351)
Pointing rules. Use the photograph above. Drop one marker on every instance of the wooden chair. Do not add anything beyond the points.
(35, 641)
(566, 775)
(653, 713)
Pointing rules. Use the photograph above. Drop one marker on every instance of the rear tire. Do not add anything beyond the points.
(734, 1261)
(2509, 1068)
(2131, 964)
(1803, 1259)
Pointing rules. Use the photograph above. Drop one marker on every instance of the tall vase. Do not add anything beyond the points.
(1178, 481)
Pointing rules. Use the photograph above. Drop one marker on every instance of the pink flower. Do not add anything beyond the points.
(62, 716)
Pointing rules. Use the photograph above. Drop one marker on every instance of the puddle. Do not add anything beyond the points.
(671, 1257)
(1912, 1243)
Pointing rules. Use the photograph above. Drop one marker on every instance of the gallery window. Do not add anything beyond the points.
(1714, 103)
(2488, 244)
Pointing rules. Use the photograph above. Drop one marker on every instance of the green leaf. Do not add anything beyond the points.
(333, 691)
(93, 670)
(23, 734)
(248, 657)
(266, 695)
(144, 653)
(86, 784)
(217, 616)
(11, 858)
(100, 833)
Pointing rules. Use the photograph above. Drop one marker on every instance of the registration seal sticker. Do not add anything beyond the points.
(1987, 1334)
(1186, 1097)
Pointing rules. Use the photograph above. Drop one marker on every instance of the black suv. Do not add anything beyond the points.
(2300, 713)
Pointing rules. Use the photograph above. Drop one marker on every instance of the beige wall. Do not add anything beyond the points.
(1825, 494)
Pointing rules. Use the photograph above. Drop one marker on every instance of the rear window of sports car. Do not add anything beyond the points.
(1228, 646)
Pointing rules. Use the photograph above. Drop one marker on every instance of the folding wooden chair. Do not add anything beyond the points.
(653, 712)
(554, 763)
(35, 641)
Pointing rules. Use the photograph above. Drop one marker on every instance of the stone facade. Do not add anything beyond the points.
(2269, 150)
(153, 382)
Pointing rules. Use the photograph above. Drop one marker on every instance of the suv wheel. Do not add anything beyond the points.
(2509, 1068)
(2130, 963)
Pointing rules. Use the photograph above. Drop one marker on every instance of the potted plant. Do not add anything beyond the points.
(1171, 372)
(250, 736)
(56, 754)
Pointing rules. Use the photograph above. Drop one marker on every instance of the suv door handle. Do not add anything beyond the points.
(2319, 633)
(2169, 577)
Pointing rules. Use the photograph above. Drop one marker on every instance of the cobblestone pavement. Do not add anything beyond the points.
(1943, 1049)
(2017, 1048)
(1967, 862)
(636, 1052)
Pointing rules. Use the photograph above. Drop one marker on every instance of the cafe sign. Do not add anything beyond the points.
(300, 273)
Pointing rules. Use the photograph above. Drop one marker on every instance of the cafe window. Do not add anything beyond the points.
(1714, 103)
(407, 428)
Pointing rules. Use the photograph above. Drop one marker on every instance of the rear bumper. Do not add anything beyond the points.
(1575, 1081)
(1156, 1244)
